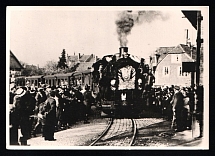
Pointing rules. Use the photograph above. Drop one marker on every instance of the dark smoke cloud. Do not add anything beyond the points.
(127, 20)
(124, 25)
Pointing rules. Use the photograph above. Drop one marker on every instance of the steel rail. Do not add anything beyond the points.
(103, 133)
(134, 133)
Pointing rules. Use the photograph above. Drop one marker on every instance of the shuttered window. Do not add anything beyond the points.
(166, 70)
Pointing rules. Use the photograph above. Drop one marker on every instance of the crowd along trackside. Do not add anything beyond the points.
(121, 81)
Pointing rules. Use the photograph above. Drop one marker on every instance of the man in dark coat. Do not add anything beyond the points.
(88, 99)
(80, 106)
(16, 115)
(50, 117)
(20, 114)
(177, 106)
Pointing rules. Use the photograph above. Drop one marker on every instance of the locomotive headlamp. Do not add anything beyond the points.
(139, 84)
(123, 96)
(113, 82)
(139, 81)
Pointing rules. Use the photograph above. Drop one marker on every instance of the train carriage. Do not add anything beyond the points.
(59, 79)
(83, 78)
(34, 80)
(87, 78)
(20, 81)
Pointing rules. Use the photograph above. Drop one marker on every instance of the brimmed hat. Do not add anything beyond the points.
(20, 92)
(177, 87)
(32, 91)
(40, 89)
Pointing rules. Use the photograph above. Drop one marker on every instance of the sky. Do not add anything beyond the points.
(39, 34)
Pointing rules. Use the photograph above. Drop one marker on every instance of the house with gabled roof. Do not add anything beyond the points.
(81, 62)
(15, 67)
(14, 63)
(167, 65)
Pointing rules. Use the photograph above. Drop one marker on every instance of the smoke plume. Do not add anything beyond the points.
(127, 19)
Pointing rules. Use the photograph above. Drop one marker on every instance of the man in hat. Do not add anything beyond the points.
(79, 98)
(50, 117)
(177, 107)
(88, 99)
(19, 116)
(15, 116)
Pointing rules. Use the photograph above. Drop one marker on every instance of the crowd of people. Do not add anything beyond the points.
(178, 104)
(48, 109)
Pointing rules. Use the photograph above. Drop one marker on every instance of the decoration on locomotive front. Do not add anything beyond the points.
(126, 76)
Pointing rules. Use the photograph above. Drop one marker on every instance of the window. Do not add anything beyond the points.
(180, 73)
(175, 58)
(166, 71)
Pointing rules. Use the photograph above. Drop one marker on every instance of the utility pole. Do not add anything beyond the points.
(199, 41)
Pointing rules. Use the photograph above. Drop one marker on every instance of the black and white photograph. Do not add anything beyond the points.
(107, 77)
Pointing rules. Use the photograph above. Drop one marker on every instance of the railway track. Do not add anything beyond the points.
(119, 132)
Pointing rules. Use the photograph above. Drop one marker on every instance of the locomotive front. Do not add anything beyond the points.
(120, 84)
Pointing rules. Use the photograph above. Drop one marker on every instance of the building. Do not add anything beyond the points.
(15, 67)
(167, 65)
(81, 62)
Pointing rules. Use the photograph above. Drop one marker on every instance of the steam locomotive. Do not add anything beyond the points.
(123, 82)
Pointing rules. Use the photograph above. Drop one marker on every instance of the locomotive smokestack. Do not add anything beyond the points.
(122, 50)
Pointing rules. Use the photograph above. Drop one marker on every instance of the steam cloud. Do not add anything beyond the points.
(127, 20)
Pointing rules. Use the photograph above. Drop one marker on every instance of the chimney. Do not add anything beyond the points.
(122, 50)
(79, 55)
(187, 39)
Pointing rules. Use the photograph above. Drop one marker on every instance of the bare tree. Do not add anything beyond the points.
(50, 67)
